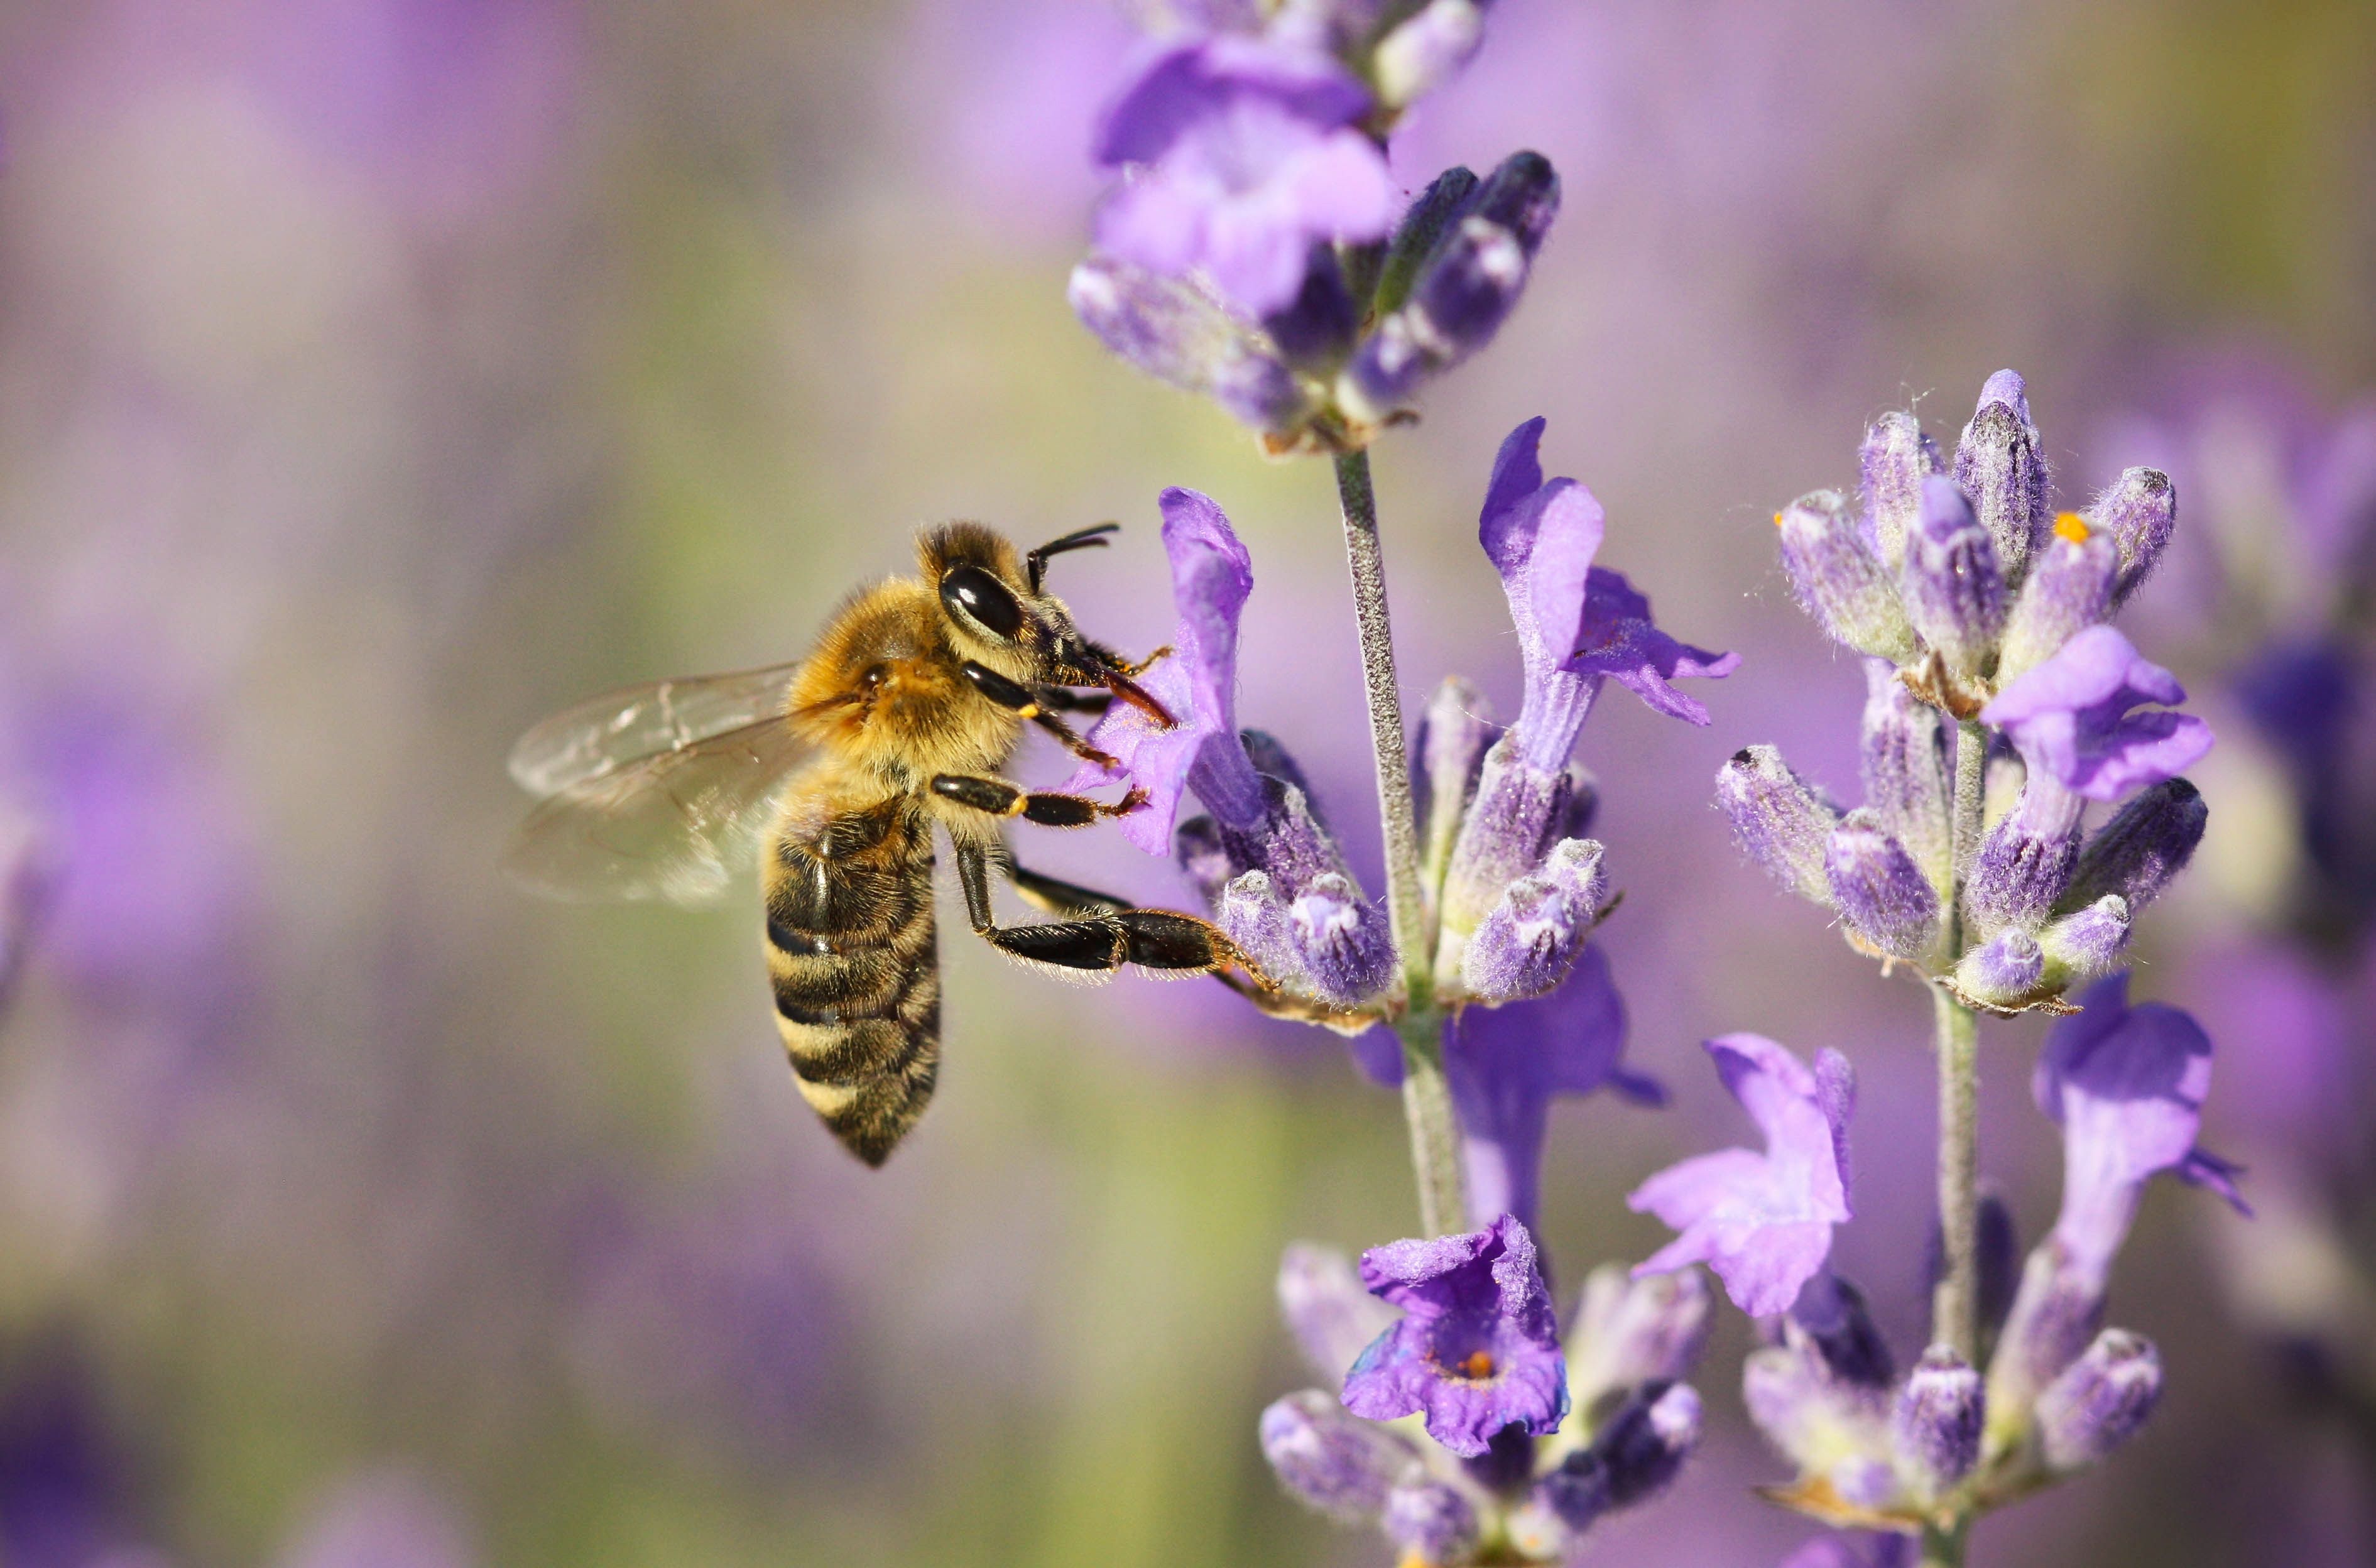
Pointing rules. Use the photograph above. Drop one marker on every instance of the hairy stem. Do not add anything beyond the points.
(1427, 1098)
(1944, 1549)
(1955, 1302)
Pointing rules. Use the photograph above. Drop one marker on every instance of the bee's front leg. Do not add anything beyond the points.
(1037, 705)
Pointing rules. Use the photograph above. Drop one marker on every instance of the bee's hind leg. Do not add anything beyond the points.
(996, 797)
(1105, 934)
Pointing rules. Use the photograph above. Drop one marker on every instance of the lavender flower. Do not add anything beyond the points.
(1246, 154)
(1578, 626)
(1878, 888)
(1779, 820)
(1477, 1348)
(2069, 589)
(1937, 1422)
(1276, 881)
(1953, 580)
(1840, 578)
(1337, 1463)
(2072, 719)
(1176, 330)
(1763, 1222)
(1507, 1063)
(1894, 461)
(2099, 1401)
(2000, 468)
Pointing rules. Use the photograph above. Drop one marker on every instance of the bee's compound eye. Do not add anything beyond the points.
(973, 593)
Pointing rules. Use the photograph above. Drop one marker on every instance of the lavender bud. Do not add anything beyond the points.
(1348, 953)
(1998, 466)
(1331, 1314)
(1779, 820)
(1832, 1315)
(1426, 51)
(1953, 587)
(1502, 836)
(2070, 589)
(1936, 1427)
(2007, 970)
(2146, 843)
(1645, 1444)
(1430, 1522)
(1177, 332)
(2086, 943)
(1315, 331)
(2140, 510)
(1252, 914)
(1905, 772)
(1465, 290)
(1271, 759)
(1567, 1501)
(1807, 1414)
(1336, 1462)
(1415, 238)
(1878, 889)
(2056, 1311)
(1633, 1331)
(1897, 457)
(1840, 579)
(1528, 943)
(2099, 1401)
(1454, 733)
(1995, 1242)
(2023, 866)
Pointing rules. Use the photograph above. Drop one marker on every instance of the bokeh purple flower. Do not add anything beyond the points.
(1477, 1348)
(1763, 1222)
(1243, 154)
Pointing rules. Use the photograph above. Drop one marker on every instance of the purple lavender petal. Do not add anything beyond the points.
(1763, 1222)
(1617, 639)
(2071, 718)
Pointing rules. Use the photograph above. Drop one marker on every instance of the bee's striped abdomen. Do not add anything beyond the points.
(858, 986)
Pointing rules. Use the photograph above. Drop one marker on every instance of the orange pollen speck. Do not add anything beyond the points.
(1476, 1363)
(2073, 526)
(1777, 520)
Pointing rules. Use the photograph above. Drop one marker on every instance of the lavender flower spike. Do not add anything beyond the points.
(1248, 153)
(1763, 1222)
(1282, 889)
(2071, 718)
(1476, 1350)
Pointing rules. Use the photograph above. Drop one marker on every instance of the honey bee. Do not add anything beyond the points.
(899, 719)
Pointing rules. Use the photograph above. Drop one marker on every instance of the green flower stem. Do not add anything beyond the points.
(1427, 1099)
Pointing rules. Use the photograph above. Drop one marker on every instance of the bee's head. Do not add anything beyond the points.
(998, 612)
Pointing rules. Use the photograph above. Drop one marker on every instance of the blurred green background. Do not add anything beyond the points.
(377, 376)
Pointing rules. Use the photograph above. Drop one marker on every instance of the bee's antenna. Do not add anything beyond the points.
(1036, 563)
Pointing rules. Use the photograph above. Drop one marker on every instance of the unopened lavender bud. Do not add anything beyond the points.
(1832, 1317)
(1454, 732)
(1633, 1331)
(2000, 467)
(1642, 1448)
(1416, 237)
(1464, 290)
(1907, 777)
(1430, 1523)
(2004, 971)
(1516, 808)
(1252, 914)
(1936, 1426)
(1315, 332)
(1328, 1309)
(1336, 1462)
(2099, 1401)
(1952, 584)
(1347, 951)
(2146, 843)
(2086, 943)
(2069, 589)
(1426, 51)
(1529, 940)
(1878, 889)
(1840, 579)
(1780, 821)
(2027, 860)
(1897, 457)
(1176, 331)
(2140, 512)
(2056, 1311)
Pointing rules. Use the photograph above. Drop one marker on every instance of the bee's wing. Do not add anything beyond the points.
(675, 825)
(620, 729)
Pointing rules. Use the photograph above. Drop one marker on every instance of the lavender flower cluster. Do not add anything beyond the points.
(1255, 250)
